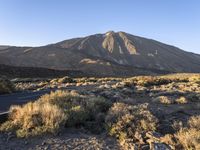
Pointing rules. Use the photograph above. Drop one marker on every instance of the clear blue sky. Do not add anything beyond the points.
(40, 22)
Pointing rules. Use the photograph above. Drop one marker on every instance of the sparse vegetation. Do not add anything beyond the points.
(6, 86)
(186, 137)
(65, 79)
(54, 111)
(133, 110)
(148, 81)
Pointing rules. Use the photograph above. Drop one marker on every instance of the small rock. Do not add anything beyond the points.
(127, 91)
(25, 142)
(145, 147)
(159, 146)
(10, 136)
(154, 141)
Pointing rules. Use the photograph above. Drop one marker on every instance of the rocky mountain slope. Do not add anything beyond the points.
(31, 72)
(112, 53)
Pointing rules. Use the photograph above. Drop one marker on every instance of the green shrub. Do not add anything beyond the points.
(6, 86)
(77, 116)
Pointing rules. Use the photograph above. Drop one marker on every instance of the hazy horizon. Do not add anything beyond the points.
(38, 23)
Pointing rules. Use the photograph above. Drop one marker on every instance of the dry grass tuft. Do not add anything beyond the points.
(187, 138)
(34, 119)
(164, 100)
(181, 100)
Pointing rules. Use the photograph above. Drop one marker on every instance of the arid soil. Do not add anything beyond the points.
(171, 99)
(69, 140)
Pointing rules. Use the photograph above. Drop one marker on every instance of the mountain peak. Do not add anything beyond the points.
(103, 52)
(118, 43)
(109, 33)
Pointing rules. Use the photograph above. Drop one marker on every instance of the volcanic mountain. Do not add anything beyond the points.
(112, 54)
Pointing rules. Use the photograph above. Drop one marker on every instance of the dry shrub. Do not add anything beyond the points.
(34, 119)
(164, 100)
(6, 86)
(187, 138)
(79, 108)
(194, 122)
(130, 122)
(148, 81)
(81, 80)
(74, 104)
(54, 111)
(63, 99)
(54, 81)
(88, 79)
(65, 79)
(154, 81)
(42, 84)
(181, 100)
(92, 79)
(195, 78)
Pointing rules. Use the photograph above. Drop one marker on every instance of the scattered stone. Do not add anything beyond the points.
(145, 147)
(10, 136)
(127, 91)
(159, 146)
(154, 141)
(25, 142)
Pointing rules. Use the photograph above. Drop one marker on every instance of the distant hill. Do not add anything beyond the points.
(112, 54)
(30, 72)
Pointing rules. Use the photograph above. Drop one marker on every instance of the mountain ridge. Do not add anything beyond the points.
(100, 53)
